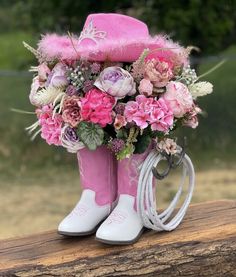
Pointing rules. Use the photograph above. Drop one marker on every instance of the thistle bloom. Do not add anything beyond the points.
(96, 107)
(116, 81)
(50, 125)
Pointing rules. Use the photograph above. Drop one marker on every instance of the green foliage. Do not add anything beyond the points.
(142, 144)
(209, 25)
(90, 134)
(12, 53)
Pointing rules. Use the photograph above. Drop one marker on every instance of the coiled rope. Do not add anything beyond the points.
(146, 200)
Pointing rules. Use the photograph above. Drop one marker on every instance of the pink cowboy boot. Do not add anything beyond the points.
(123, 226)
(98, 177)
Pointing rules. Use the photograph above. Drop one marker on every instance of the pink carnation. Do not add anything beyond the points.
(145, 111)
(97, 106)
(178, 98)
(50, 125)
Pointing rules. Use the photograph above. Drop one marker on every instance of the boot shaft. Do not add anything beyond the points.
(98, 172)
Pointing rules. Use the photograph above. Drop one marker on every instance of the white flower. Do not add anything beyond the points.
(116, 81)
(200, 89)
(46, 96)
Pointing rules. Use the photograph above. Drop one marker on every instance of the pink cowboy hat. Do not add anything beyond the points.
(112, 37)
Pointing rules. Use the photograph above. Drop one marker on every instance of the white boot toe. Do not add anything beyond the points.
(123, 226)
(85, 217)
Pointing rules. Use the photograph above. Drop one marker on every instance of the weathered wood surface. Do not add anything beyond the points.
(204, 245)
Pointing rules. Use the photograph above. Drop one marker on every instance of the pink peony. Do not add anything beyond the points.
(120, 121)
(57, 77)
(97, 106)
(71, 111)
(159, 72)
(145, 87)
(50, 125)
(145, 111)
(178, 98)
(116, 81)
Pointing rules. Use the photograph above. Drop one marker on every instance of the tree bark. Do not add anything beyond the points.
(203, 245)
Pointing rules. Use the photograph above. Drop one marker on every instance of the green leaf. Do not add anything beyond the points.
(142, 144)
(90, 134)
(121, 133)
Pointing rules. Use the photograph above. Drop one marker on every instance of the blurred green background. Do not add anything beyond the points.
(39, 183)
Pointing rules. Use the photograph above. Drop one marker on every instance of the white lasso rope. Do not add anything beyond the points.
(146, 203)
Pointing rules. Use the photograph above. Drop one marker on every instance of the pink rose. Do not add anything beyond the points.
(97, 106)
(71, 111)
(158, 72)
(120, 121)
(145, 87)
(178, 98)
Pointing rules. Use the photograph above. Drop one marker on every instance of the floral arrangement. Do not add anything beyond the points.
(125, 106)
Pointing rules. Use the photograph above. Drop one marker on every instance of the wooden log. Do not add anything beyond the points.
(203, 245)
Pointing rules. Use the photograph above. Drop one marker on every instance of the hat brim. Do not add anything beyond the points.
(65, 48)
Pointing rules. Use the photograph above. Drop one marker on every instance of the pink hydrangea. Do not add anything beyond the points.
(178, 98)
(50, 125)
(97, 106)
(145, 111)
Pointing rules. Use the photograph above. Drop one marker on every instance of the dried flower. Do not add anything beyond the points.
(200, 89)
(71, 111)
(168, 145)
(158, 72)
